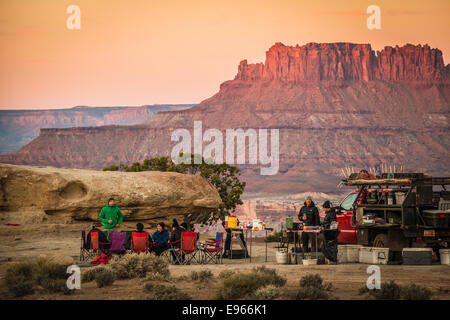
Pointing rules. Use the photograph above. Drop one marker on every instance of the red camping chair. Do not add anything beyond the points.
(213, 250)
(140, 242)
(187, 252)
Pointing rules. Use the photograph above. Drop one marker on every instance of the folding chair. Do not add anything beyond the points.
(85, 252)
(213, 250)
(117, 242)
(187, 252)
(140, 242)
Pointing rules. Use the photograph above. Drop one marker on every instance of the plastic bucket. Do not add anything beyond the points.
(282, 257)
(399, 197)
(445, 256)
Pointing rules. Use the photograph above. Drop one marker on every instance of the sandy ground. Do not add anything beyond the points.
(22, 243)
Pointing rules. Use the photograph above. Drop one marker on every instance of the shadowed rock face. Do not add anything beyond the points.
(80, 194)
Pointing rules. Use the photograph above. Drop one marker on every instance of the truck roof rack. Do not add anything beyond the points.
(398, 182)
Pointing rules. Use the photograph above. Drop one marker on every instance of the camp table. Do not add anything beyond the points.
(246, 233)
(301, 231)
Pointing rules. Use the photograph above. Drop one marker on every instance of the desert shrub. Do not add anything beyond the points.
(104, 277)
(202, 275)
(269, 292)
(163, 292)
(46, 268)
(137, 265)
(194, 276)
(312, 287)
(183, 278)
(244, 285)
(225, 274)
(414, 292)
(363, 290)
(19, 279)
(22, 278)
(89, 274)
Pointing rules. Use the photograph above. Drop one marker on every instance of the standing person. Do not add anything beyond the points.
(309, 214)
(160, 237)
(330, 214)
(227, 248)
(111, 216)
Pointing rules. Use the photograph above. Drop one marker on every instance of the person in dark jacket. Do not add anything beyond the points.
(160, 237)
(102, 238)
(309, 214)
(330, 214)
(175, 235)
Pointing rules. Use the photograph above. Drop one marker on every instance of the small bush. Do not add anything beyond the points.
(104, 278)
(56, 285)
(202, 275)
(414, 292)
(19, 279)
(89, 274)
(183, 278)
(244, 285)
(363, 290)
(312, 287)
(46, 268)
(163, 292)
(137, 265)
(225, 274)
(274, 237)
(269, 292)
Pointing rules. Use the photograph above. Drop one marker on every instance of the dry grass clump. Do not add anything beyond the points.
(202, 275)
(312, 287)
(157, 291)
(41, 273)
(268, 292)
(105, 277)
(245, 285)
(392, 291)
(138, 265)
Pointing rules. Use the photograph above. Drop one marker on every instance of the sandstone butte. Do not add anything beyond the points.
(80, 194)
(336, 105)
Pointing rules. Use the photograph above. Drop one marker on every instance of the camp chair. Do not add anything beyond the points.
(213, 250)
(140, 242)
(96, 246)
(85, 252)
(187, 252)
(117, 242)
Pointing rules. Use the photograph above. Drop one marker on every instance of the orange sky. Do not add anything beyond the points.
(135, 52)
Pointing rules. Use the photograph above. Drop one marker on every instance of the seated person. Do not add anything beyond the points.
(139, 229)
(160, 237)
(102, 238)
(175, 235)
(184, 226)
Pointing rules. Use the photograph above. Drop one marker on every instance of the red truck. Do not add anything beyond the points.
(396, 210)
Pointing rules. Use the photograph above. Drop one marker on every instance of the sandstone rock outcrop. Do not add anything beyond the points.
(80, 194)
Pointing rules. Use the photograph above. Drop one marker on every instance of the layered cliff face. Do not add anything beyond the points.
(346, 61)
(18, 127)
(336, 105)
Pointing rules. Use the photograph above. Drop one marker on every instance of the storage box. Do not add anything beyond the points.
(373, 255)
(436, 218)
(348, 253)
(445, 256)
(417, 256)
(230, 222)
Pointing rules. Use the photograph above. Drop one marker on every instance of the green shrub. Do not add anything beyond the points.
(46, 268)
(202, 275)
(104, 277)
(312, 287)
(244, 285)
(269, 292)
(163, 292)
(56, 285)
(414, 292)
(137, 265)
(274, 237)
(19, 279)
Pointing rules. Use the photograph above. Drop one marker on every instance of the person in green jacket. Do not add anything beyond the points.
(111, 216)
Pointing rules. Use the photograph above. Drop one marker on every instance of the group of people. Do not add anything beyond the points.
(111, 218)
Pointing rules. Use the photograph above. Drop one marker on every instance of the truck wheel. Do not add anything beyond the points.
(380, 240)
